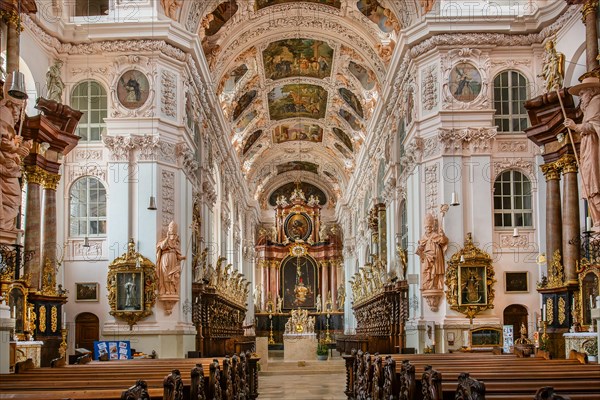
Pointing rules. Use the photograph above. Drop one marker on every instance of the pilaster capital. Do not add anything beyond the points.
(551, 171)
(568, 163)
(51, 181)
(34, 174)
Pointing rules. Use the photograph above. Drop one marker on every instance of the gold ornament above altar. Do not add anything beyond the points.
(300, 323)
(470, 280)
(131, 284)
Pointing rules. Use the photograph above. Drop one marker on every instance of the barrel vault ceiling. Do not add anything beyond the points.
(298, 82)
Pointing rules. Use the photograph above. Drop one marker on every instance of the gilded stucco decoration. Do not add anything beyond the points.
(131, 284)
(470, 280)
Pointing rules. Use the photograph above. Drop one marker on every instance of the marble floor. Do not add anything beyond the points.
(313, 380)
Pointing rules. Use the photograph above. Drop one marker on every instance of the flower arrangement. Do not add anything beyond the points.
(322, 350)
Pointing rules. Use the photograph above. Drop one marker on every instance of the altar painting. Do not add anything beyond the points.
(299, 285)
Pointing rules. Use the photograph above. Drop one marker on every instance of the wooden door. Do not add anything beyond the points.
(515, 315)
(87, 330)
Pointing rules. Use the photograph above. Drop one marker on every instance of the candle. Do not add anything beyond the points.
(28, 314)
(544, 312)
(588, 224)
(64, 321)
(573, 304)
(14, 312)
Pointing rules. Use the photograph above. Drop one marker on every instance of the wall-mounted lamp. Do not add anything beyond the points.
(454, 199)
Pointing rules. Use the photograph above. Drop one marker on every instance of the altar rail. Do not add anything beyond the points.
(380, 321)
(225, 378)
(218, 323)
(419, 377)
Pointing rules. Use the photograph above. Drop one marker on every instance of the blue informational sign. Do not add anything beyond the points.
(112, 349)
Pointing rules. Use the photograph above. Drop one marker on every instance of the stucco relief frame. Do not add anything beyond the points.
(477, 59)
(124, 64)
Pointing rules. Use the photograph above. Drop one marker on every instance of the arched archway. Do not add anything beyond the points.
(87, 330)
(515, 315)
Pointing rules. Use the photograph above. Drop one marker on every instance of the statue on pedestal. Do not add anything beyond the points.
(12, 151)
(431, 249)
(168, 262)
(589, 129)
(553, 70)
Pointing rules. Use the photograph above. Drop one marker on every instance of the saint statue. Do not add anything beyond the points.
(131, 294)
(589, 129)
(12, 151)
(319, 304)
(431, 249)
(258, 297)
(553, 70)
(54, 82)
(168, 262)
(341, 297)
(279, 306)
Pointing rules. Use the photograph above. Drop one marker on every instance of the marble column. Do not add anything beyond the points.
(273, 281)
(34, 176)
(333, 284)
(12, 49)
(589, 16)
(49, 219)
(571, 230)
(553, 210)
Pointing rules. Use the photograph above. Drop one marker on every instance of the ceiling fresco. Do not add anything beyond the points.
(297, 131)
(344, 138)
(299, 80)
(251, 140)
(297, 100)
(297, 57)
(297, 166)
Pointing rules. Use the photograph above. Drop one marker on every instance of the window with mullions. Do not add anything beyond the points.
(87, 203)
(89, 97)
(88, 8)
(512, 200)
(510, 93)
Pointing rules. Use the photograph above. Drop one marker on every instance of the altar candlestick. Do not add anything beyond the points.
(544, 312)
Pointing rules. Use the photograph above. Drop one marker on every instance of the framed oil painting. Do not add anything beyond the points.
(516, 282)
(129, 291)
(133, 89)
(464, 82)
(298, 226)
(472, 284)
(86, 291)
(298, 282)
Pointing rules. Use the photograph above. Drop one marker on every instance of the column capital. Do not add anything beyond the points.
(568, 163)
(551, 171)
(34, 174)
(51, 181)
(590, 6)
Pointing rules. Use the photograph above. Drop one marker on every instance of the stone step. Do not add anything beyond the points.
(332, 366)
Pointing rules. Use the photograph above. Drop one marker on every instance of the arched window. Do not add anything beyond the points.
(510, 93)
(87, 203)
(512, 200)
(87, 8)
(89, 97)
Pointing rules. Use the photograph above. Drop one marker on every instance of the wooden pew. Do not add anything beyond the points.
(107, 380)
(497, 376)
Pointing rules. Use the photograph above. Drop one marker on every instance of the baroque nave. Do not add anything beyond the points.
(256, 185)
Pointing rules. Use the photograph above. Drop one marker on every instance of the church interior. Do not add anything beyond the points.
(399, 198)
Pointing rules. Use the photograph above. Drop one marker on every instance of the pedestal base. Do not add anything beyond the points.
(299, 347)
(30, 349)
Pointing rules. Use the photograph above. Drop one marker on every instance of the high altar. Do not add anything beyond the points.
(299, 267)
